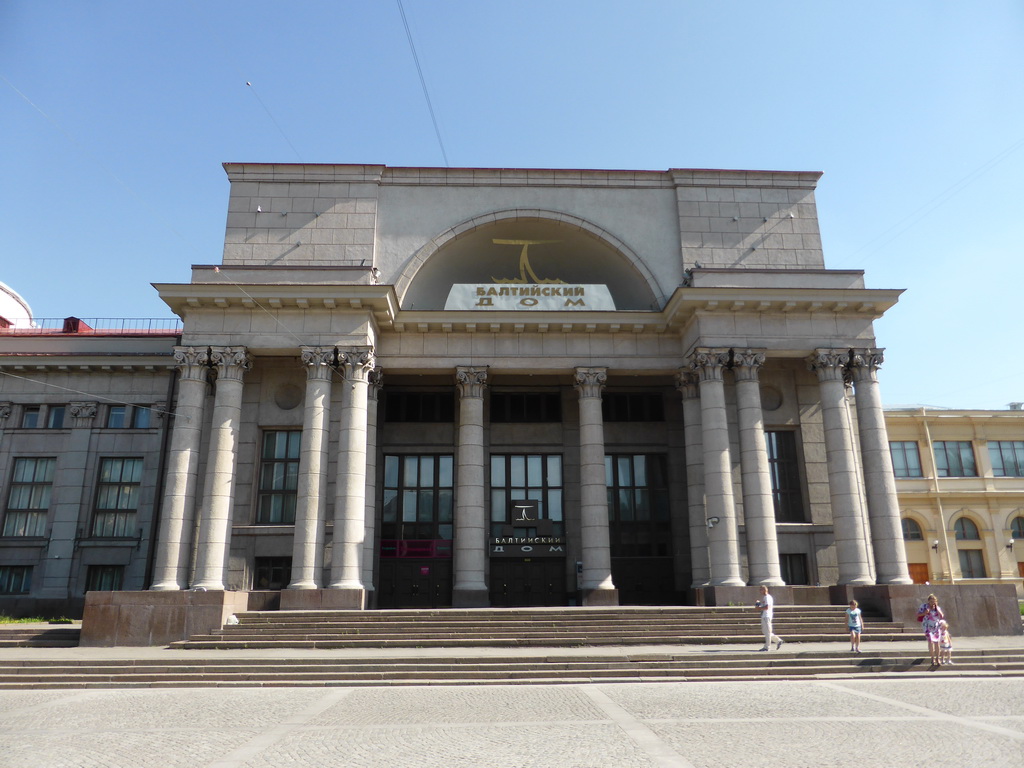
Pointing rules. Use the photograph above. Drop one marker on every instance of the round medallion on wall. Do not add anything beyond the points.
(288, 396)
(771, 398)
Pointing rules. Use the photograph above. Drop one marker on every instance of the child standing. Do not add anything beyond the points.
(855, 621)
(945, 644)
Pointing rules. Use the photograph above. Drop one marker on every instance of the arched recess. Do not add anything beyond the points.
(570, 248)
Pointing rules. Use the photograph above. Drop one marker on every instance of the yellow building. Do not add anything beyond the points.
(960, 483)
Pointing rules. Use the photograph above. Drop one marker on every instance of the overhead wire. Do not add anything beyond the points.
(423, 82)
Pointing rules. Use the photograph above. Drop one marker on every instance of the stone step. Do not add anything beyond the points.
(34, 637)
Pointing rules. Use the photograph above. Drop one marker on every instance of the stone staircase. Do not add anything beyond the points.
(15, 636)
(532, 627)
(594, 667)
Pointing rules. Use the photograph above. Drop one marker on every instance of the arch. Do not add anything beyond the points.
(911, 529)
(966, 529)
(414, 268)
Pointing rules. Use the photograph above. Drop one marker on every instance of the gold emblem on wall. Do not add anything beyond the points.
(525, 270)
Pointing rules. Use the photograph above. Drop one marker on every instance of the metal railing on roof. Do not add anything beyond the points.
(96, 326)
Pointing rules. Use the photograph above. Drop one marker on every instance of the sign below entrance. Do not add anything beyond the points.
(547, 297)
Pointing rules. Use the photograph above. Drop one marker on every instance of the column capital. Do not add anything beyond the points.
(864, 364)
(746, 364)
(82, 413)
(231, 363)
(356, 363)
(319, 362)
(5, 411)
(470, 381)
(829, 364)
(590, 381)
(686, 383)
(192, 362)
(709, 364)
(376, 379)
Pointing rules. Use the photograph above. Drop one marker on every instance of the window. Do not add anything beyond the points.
(142, 417)
(793, 568)
(419, 506)
(279, 478)
(972, 564)
(116, 415)
(785, 473)
(955, 458)
(55, 417)
(15, 579)
(633, 406)
(966, 530)
(419, 407)
(906, 459)
(638, 513)
(1007, 458)
(530, 477)
(30, 416)
(104, 578)
(1017, 529)
(117, 497)
(28, 502)
(911, 530)
(271, 572)
(525, 407)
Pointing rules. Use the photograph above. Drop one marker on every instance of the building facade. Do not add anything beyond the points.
(408, 387)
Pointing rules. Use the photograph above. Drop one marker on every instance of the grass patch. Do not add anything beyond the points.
(5, 619)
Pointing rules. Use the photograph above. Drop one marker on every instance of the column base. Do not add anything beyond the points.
(599, 597)
(344, 599)
(470, 598)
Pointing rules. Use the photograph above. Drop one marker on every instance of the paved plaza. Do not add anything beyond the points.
(937, 722)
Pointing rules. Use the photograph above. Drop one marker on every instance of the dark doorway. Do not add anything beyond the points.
(415, 583)
(525, 581)
(794, 569)
(644, 580)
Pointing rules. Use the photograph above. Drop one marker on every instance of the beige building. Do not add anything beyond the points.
(960, 480)
(462, 387)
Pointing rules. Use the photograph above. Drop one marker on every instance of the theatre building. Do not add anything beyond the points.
(421, 387)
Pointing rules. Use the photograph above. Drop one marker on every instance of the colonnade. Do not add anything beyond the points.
(712, 508)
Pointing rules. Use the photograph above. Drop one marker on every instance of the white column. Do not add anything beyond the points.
(230, 363)
(758, 506)
(311, 493)
(851, 548)
(596, 584)
(879, 481)
(370, 537)
(687, 384)
(178, 514)
(470, 588)
(723, 532)
(350, 490)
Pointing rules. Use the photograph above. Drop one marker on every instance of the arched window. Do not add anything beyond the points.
(911, 530)
(1017, 528)
(966, 530)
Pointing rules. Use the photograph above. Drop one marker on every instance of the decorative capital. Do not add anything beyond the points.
(231, 362)
(709, 364)
(83, 413)
(746, 364)
(5, 411)
(470, 381)
(864, 364)
(319, 362)
(376, 379)
(829, 364)
(356, 363)
(192, 362)
(686, 383)
(590, 381)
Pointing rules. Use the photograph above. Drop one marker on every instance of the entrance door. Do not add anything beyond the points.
(415, 583)
(518, 582)
(918, 572)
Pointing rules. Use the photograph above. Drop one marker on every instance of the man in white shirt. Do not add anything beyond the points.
(766, 604)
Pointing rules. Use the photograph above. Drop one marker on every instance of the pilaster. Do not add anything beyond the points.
(470, 587)
(687, 383)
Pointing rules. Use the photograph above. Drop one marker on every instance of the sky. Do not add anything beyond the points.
(115, 118)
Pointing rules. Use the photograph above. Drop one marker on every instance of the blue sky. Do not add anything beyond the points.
(116, 116)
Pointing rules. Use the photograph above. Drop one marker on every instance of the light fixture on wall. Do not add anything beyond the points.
(713, 521)
(1009, 545)
(935, 545)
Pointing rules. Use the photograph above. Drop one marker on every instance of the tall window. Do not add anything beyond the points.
(117, 497)
(955, 458)
(15, 579)
(279, 478)
(530, 477)
(104, 578)
(966, 530)
(28, 502)
(1007, 458)
(911, 530)
(784, 467)
(972, 564)
(638, 513)
(906, 459)
(419, 506)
